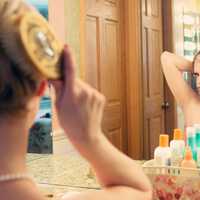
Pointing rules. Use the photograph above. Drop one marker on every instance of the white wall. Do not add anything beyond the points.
(64, 15)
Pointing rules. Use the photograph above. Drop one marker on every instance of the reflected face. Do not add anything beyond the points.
(197, 73)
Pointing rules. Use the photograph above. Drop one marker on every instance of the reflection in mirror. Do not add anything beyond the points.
(191, 36)
(40, 139)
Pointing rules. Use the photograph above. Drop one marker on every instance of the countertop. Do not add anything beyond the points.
(59, 174)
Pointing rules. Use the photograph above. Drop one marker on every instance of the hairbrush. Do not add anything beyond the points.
(28, 39)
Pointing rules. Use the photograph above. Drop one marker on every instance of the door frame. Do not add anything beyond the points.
(134, 78)
(168, 45)
(82, 38)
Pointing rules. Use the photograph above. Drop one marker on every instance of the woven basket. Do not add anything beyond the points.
(171, 183)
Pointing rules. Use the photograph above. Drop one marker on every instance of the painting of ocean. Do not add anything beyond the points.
(41, 5)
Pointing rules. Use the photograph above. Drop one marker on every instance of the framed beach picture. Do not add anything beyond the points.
(40, 139)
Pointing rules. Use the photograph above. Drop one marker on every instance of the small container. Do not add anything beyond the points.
(177, 146)
(197, 134)
(188, 161)
(191, 140)
(162, 154)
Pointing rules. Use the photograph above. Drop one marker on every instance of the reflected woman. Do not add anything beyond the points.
(185, 95)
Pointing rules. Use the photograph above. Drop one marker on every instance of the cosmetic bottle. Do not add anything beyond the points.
(188, 161)
(177, 146)
(162, 154)
(191, 141)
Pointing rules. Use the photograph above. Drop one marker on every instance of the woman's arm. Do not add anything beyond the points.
(80, 109)
(180, 62)
(173, 66)
(112, 193)
(120, 176)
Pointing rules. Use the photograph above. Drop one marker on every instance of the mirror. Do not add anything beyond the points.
(191, 45)
(40, 139)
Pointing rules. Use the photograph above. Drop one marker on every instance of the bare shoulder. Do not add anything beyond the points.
(195, 101)
(20, 190)
(192, 111)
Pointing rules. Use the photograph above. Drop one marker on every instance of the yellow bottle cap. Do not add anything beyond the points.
(178, 135)
(164, 140)
(188, 153)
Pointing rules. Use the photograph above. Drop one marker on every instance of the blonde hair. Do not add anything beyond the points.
(19, 79)
(16, 86)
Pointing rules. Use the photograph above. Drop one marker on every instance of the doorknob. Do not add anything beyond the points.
(165, 105)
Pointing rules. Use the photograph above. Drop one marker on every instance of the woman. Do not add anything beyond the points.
(80, 110)
(187, 98)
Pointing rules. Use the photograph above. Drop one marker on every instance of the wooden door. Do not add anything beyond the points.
(152, 74)
(104, 62)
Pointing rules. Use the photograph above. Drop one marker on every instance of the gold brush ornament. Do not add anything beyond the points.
(28, 39)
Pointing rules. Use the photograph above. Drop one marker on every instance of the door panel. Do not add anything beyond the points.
(104, 68)
(155, 8)
(152, 75)
(92, 27)
(110, 81)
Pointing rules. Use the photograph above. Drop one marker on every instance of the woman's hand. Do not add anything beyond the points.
(79, 107)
